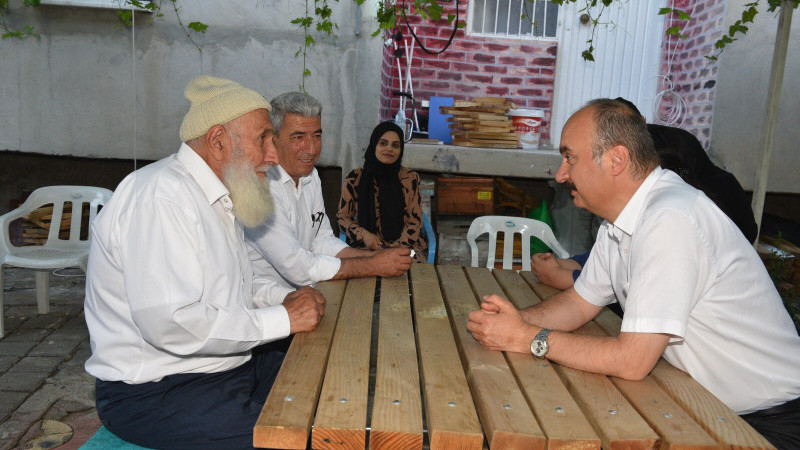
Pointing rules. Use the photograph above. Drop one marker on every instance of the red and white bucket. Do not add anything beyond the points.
(528, 123)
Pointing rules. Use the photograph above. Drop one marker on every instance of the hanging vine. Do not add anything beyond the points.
(321, 21)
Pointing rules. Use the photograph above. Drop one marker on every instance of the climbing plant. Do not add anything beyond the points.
(317, 19)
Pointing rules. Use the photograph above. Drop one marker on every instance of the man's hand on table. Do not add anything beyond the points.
(391, 262)
(305, 307)
(498, 325)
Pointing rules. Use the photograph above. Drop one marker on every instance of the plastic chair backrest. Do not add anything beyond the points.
(526, 227)
(427, 229)
(59, 196)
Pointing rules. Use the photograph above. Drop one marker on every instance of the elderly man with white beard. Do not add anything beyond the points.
(180, 337)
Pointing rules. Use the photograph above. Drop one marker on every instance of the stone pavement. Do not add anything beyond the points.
(46, 397)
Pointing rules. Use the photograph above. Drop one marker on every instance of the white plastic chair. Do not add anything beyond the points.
(509, 226)
(55, 253)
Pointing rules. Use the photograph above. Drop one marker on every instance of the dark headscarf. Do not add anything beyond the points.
(390, 190)
(683, 154)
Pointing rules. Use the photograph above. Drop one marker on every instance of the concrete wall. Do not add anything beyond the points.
(71, 91)
(741, 104)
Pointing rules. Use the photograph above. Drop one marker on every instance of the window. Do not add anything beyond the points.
(513, 18)
(108, 4)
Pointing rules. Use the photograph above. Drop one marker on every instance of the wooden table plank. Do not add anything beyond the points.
(285, 419)
(449, 410)
(506, 417)
(715, 417)
(341, 421)
(561, 419)
(397, 409)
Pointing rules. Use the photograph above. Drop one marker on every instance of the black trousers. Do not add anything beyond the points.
(192, 411)
(780, 425)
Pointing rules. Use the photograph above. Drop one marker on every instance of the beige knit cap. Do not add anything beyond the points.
(216, 101)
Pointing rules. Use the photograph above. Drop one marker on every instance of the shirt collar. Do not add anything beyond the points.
(209, 183)
(628, 218)
(280, 174)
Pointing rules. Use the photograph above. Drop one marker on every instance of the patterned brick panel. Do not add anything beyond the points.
(691, 75)
(520, 70)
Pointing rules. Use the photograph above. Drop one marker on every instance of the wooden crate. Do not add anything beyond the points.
(465, 196)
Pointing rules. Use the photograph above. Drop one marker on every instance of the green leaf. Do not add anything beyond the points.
(749, 14)
(125, 16)
(587, 54)
(461, 25)
(306, 73)
(683, 15)
(310, 40)
(664, 11)
(197, 26)
(298, 20)
(673, 31)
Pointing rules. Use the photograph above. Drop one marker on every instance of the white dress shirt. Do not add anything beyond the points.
(169, 282)
(296, 245)
(678, 265)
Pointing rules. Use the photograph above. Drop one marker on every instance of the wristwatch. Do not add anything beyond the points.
(539, 343)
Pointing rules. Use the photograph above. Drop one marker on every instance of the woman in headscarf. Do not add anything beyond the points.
(380, 204)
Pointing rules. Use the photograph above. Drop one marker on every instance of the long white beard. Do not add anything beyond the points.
(252, 202)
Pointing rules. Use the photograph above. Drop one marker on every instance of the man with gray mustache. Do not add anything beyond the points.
(180, 337)
(296, 246)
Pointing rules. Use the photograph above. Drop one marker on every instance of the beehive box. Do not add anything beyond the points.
(462, 196)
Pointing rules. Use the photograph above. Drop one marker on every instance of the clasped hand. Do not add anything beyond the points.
(498, 325)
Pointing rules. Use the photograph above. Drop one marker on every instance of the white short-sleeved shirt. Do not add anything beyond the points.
(678, 265)
(169, 282)
(296, 246)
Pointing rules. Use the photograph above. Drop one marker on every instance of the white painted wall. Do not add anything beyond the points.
(741, 101)
(71, 91)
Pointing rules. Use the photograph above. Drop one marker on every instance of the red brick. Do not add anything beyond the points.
(479, 78)
(481, 58)
(449, 76)
(435, 85)
(552, 50)
(547, 62)
(496, 48)
(495, 69)
(437, 63)
(529, 49)
(529, 92)
(446, 32)
(523, 70)
(466, 45)
(423, 31)
(465, 67)
(547, 72)
(467, 88)
(543, 104)
(511, 60)
(452, 56)
(511, 80)
(422, 73)
(497, 90)
(540, 81)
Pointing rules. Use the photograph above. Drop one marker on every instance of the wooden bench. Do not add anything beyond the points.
(435, 386)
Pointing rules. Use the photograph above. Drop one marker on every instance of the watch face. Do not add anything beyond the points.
(539, 347)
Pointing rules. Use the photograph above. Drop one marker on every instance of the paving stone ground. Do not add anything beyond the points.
(46, 397)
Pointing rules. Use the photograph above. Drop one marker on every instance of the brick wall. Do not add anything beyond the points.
(520, 70)
(523, 70)
(692, 75)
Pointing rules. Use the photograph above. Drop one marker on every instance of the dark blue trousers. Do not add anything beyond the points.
(192, 411)
(780, 425)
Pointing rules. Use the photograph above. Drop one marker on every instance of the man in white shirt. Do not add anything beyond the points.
(296, 246)
(691, 286)
(176, 326)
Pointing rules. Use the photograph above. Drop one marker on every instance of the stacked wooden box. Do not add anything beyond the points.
(482, 122)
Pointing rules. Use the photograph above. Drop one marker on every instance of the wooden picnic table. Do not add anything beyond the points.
(435, 385)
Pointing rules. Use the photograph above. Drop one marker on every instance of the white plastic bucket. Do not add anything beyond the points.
(528, 123)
